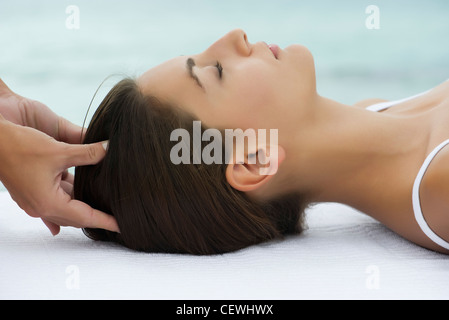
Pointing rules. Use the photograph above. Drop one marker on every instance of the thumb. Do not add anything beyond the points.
(86, 154)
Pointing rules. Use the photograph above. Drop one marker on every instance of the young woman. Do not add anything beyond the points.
(390, 164)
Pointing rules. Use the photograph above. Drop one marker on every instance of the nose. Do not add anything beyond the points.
(234, 41)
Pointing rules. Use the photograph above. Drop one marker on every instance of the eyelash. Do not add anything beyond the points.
(220, 69)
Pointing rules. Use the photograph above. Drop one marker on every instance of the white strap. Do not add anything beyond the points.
(385, 105)
(417, 203)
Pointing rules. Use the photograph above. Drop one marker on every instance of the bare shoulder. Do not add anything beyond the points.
(434, 194)
(367, 102)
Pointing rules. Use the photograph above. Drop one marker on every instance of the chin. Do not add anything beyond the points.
(299, 58)
(300, 52)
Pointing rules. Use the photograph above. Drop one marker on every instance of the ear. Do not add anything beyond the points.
(256, 170)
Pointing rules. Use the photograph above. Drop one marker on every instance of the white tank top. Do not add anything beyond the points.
(415, 193)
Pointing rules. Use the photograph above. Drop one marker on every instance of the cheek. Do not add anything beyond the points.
(255, 93)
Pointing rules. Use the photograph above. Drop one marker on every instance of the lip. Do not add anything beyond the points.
(275, 49)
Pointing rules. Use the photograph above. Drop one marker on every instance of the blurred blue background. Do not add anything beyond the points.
(41, 58)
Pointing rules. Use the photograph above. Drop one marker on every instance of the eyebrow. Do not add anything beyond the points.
(190, 63)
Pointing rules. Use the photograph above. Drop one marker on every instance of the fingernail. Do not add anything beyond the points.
(105, 145)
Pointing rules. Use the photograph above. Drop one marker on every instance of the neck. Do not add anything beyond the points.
(351, 155)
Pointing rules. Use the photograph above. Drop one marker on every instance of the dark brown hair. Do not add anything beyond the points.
(163, 207)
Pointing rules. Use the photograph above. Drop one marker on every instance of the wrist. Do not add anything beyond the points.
(4, 146)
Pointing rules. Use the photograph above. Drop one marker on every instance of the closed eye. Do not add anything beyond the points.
(220, 70)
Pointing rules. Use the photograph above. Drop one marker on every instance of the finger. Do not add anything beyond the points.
(67, 187)
(54, 228)
(87, 217)
(69, 132)
(68, 177)
(4, 87)
(85, 154)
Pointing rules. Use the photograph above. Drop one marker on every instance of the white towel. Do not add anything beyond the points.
(342, 255)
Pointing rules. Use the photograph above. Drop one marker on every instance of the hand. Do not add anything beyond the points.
(33, 165)
(32, 168)
(34, 114)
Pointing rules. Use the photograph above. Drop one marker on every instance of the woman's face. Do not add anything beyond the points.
(236, 84)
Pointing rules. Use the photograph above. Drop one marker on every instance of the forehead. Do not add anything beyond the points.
(171, 83)
(163, 79)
